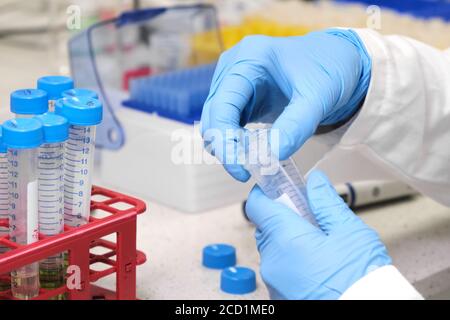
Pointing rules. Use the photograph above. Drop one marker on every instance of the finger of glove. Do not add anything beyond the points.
(297, 123)
(222, 113)
(328, 207)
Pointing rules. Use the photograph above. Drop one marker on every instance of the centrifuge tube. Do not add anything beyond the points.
(27, 103)
(54, 86)
(80, 92)
(279, 180)
(4, 205)
(23, 136)
(83, 115)
(51, 193)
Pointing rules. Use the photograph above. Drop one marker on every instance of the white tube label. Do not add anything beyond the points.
(32, 212)
(284, 199)
(287, 201)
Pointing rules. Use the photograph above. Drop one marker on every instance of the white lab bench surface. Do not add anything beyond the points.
(416, 231)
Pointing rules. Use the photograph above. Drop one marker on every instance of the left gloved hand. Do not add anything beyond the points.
(301, 261)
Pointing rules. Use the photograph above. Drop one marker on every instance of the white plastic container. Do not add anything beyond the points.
(145, 165)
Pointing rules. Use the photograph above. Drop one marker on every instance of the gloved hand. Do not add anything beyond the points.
(299, 261)
(295, 82)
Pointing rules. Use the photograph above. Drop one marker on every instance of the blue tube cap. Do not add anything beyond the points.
(238, 280)
(29, 101)
(219, 256)
(56, 128)
(54, 85)
(3, 147)
(22, 133)
(80, 92)
(81, 111)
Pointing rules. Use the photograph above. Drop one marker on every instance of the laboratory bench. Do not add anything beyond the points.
(416, 231)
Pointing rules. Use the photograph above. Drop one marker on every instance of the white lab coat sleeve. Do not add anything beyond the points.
(404, 123)
(385, 283)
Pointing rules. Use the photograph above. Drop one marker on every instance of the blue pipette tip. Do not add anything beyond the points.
(178, 94)
(22, 133)
(238, 280)
(54, 85)
(219, 256)
(29, 101)
(56, 127)
(81, 111)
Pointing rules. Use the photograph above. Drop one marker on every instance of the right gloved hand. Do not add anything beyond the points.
(295, 82)
(301, 261)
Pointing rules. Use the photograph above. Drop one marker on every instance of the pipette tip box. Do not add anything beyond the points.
(177, 95)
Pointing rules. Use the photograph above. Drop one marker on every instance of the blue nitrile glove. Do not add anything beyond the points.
(295, 82)
(299, 261)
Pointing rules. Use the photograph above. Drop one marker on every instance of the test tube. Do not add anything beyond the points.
(22, 137)
(4, 205)
(51, 193)
(83, 115)
(279, 180)
(80, 92)
(26, 103)
(54, 86)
